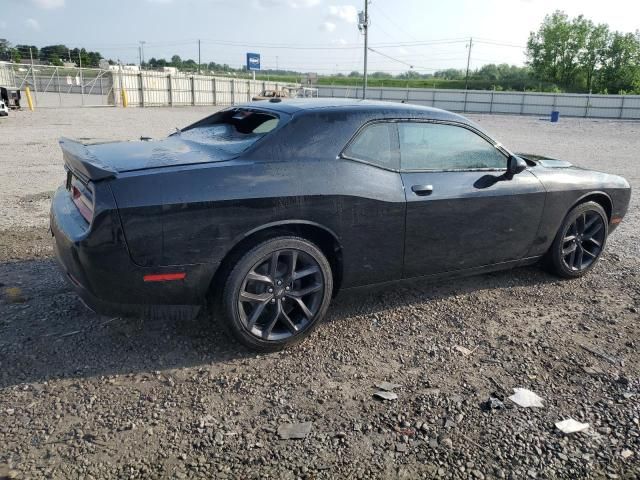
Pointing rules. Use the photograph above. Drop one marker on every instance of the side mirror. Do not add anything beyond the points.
(515, 165)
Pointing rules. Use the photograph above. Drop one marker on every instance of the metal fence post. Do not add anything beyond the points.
(622, 107)
(170, 90)
(58, 83)
(233, 91)
(214, 91)
(141, 80)
(586, 110)
(193, 90)
(555, 102)
(464, 109)
(524, 95)
(491, 103)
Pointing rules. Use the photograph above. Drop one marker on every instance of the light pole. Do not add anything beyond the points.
(363, 26)
(466, 77)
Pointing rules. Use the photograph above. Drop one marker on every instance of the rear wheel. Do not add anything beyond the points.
(277, 293)
(580, 241)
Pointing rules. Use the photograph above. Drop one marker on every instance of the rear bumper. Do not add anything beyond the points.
(96, 263)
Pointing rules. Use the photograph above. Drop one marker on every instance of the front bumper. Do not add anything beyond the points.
(95, 261)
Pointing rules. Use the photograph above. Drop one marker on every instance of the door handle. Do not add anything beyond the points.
(422, 190)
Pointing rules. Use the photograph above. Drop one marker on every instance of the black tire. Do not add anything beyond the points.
(580, 241)
(267, 310)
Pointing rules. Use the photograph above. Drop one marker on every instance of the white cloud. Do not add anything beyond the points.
(346, 13)
(48, 3)
(32, 23)
(266, 4)
(328, 27)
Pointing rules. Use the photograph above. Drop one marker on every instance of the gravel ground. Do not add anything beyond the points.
(85, 396)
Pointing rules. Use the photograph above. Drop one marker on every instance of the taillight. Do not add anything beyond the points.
(82, 198)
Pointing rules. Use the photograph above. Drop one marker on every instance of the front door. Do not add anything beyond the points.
(463, 209)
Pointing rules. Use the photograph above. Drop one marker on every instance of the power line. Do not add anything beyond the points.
(390, 57)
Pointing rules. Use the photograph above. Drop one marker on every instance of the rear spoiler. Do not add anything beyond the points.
(81, 161)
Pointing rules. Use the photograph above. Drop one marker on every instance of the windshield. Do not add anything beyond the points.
(232, 131)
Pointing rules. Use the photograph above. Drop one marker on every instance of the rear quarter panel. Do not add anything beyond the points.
(197, 214)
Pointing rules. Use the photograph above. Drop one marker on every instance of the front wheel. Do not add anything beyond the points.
(580, 241)
(277, 293)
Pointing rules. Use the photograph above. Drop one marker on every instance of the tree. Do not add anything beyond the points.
(555, 50)
(621, 70)
(450, 74)
(27, 50)
(176, 61)
(595, 51)
(55, 53)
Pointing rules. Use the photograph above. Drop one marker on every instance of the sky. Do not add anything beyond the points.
(304, 35)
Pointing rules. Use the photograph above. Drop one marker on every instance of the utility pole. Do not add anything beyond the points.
(142, 42)
(140, 56)
(466, 79)
(33, 76)
(277, 64)
(363, 26)
(199, 56)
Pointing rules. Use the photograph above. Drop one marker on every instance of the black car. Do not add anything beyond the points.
(270, 208)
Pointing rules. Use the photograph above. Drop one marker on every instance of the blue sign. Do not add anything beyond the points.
(253, 61)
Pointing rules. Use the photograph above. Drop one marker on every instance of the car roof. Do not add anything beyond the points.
(295, 106)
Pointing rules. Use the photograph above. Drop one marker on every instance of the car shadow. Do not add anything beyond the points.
(46, 333)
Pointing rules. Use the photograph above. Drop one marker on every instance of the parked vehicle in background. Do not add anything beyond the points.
(267, 210)
(4, 110)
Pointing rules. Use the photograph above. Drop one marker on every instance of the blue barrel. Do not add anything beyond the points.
(555, 116)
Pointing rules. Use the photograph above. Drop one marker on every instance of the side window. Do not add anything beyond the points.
(433, 146)
(376, 144)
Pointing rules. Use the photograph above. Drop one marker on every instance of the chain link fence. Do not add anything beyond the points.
(55, 87)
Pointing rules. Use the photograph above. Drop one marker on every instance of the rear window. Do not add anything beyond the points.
(231, 131)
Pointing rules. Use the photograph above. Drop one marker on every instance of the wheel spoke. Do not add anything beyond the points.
(572, 258)
(273, 266)
(582, 220)
(255, 315)
(595, 230)
(255, 297)
(569, 238)
(272, 323)
(304, 291)
(293, 261)
(304, 308)
(288, 322)
(570, 249)
(257, 277)
(305, 272)
(593, 220)
(579, 255)
(592, 255)
(594, 241)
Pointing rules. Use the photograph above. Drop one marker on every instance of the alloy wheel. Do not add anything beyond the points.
(281, 294)
(583, 241)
